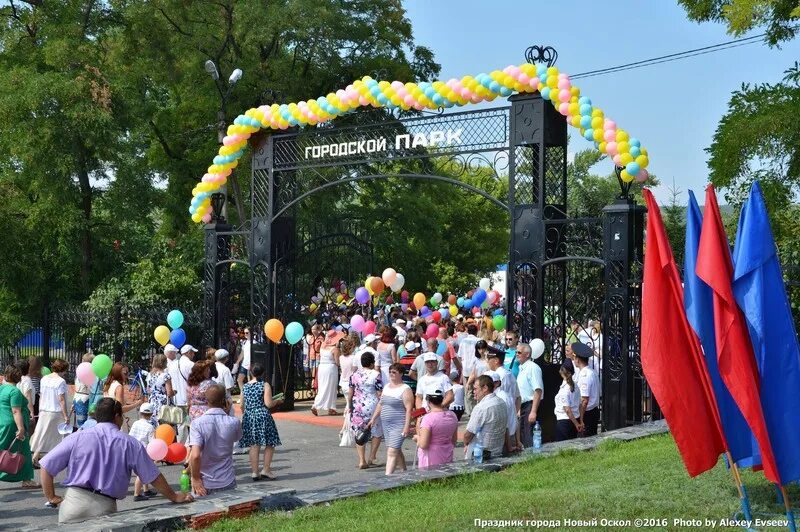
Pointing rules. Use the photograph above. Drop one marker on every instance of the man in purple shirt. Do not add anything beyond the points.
(99, 462)
(212, 438)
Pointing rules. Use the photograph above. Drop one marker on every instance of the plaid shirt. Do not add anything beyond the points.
(142, 431)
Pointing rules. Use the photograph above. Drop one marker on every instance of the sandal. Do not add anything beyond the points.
(314, 411)
(363, 466)
(33, 486)
(256, 478)
(333, 413)
(268, 475)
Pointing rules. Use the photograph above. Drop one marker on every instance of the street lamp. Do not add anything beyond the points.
(224, 93)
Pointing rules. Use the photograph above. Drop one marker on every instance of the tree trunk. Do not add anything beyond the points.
(86, 207)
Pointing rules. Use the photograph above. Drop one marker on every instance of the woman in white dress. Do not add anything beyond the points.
(52, 410)
(328, 375)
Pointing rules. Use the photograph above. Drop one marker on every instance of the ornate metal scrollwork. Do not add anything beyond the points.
(541, 54)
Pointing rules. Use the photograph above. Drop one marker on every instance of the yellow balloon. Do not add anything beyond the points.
(368, 285)
(574, 108)
(625, 176)
(642, 161)
(453, 310)
(602, 147)
(626, 158)
(575, 120)
(623, 147)
(597, 123)
(161, 334)
(597, 134)
(622, 135)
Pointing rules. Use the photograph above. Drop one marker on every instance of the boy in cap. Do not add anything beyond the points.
(143, 431)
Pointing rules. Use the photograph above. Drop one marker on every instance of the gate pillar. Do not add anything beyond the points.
(217, 249)
(623, 234)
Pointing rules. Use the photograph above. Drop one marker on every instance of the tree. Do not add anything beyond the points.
(778, 17)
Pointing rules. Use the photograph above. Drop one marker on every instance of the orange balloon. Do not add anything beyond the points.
(419, 300)
(274, 330)
(376, 283)
(452, 299)
(165, 433)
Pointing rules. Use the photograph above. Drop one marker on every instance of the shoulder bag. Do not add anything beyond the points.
(10, 462)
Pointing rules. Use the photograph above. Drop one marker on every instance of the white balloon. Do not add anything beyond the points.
(537, 348)
(398, 283)
(485, 284)
(490, 296)
(437, 297)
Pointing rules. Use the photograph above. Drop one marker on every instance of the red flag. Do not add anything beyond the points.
(672, 360)
(737, 364)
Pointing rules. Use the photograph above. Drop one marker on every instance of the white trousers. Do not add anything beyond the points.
(79, 505)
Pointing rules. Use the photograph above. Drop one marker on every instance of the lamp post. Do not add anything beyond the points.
(224, 91)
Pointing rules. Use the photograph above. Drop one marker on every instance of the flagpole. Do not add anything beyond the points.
(744, 500)
(788, 506)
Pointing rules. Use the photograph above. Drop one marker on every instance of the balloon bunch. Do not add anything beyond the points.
(335, 294)
(553, 85)
(176, 336)
(374, 286)
(481, 297)
(275, 331)
(164, 447)
(98, 368)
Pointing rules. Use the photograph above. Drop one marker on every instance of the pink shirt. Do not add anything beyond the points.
(440, 448)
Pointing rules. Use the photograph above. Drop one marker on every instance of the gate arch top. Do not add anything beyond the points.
(552, 85)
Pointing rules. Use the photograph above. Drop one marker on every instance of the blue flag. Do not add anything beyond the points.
(761, 294)
(700, 311)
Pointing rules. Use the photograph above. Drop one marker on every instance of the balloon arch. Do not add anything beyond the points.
(560, 269)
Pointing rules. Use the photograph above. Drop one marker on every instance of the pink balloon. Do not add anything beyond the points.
(642, 176)
(85, 374)
(523, 78)
(534, 82)
(357, 323)
(206, 218)
(609, 135)
(389, 276)
(157, 449)
(611, 148)
(618, 159)
(563, 108)
(432, 331)
(369, 327)
(563, 83)
(610, 124)
(564, 95)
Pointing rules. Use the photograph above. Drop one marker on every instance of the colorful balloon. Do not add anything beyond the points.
(357, 322)
(485, 283)
(274, 330)
(432, 331)
(177, 338)
(175, 318)
(389, 276)
(419, 300)
(376, 283)
(176, 453)
(452, 299)
(161, 334)
(537, 348)
(453, 310)
(157, 449)
(165, 433)
(369, 327)
(294, 332)
(398, 283)
(437, 316)
(362, 296)
(499, 322)
(46, 371)
(101, 366)
(85, 374)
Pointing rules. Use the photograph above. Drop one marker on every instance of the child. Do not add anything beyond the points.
(143, 431)
(457, 406)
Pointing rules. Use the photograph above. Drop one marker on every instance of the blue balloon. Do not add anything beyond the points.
(633, 168)
(588, 134)
(293, 332)
(468, 304)
(175, 319)
(634, 142)
(586, 110)
(177, 338)
(635, 151)
(546, 93)
(586, 121)
(479, 297)
(460, 302)
(584, 100)
(498, 312)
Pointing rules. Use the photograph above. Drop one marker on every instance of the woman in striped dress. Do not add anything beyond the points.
(394, 410)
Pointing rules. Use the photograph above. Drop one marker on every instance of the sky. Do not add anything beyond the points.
(673, 108)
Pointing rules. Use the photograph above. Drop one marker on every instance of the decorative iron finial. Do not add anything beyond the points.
(624, 188)
(541, 54)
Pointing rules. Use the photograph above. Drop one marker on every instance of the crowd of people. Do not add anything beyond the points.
(401, 383)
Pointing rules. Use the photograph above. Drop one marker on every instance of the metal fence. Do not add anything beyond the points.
(122, 332)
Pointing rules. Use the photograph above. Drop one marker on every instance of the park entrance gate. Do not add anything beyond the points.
(562, 271)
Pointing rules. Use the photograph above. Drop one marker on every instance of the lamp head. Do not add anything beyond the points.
(211, 68)
(236, 75)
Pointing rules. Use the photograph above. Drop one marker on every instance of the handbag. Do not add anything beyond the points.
(171, 415)
(363, 435)
(10, 462)
(347, 435)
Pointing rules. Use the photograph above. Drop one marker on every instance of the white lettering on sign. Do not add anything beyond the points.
(406, 141)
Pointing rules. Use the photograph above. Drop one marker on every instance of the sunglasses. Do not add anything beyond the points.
(511, 339)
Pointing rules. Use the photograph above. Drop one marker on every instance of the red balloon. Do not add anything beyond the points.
(377, 285)
(176, 453)
(432, 331)
(437, 316)
(404, 296)
(369, 327)
(389, 300)
(452, 299)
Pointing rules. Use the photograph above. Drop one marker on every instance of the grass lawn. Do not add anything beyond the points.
(640, 479)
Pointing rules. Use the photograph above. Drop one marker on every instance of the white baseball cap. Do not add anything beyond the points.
(146, 408)
(400, 321)
(429, 357)
(368, 339)
(187, 348)
(169, 348)
(494, 375)
(411, 346)
(220, 354)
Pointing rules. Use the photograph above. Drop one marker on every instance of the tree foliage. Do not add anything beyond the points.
(779, 18)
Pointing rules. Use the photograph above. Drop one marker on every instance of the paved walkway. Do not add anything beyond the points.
(309, 459)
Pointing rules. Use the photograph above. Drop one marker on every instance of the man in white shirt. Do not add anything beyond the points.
(224, 375)
(466, 353)
(589, 386)
(418, 370)
(489, 418)
(243, 363)
(511, 423)
(433, 380)
(370, 342)
(400, 326)
(509, 385)
(531, 390)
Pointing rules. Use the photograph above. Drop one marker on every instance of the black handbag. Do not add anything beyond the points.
(363, 435)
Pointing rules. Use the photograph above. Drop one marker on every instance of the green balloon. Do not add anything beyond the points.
(46, 371)
(499, 322)
(101, 365)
